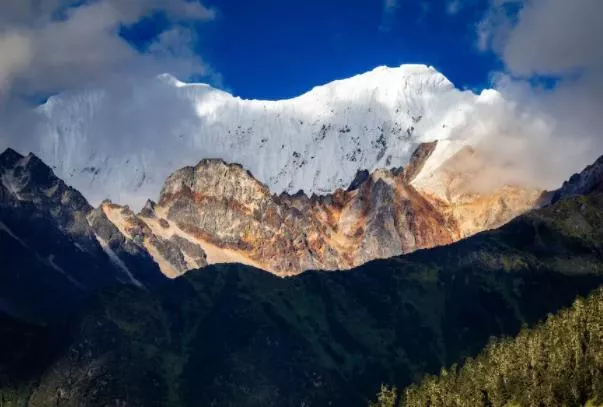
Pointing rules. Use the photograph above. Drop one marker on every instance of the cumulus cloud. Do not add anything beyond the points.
(52, 45)
(545, 37)
(553, 75)
(55, 46)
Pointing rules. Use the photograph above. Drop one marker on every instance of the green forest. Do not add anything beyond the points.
(557, 363)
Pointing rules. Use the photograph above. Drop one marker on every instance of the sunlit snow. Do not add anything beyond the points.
(122, 142)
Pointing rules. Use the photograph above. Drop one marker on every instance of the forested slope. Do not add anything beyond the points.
(558, 363)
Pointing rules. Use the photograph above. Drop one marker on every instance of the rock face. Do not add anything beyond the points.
(56, 248)
(222, 210)
(225, 206)
(219, 213)
(173, 253)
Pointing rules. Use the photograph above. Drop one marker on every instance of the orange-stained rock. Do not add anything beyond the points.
(224, 212)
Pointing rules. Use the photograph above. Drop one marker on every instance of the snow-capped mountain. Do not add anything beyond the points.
(122, 142)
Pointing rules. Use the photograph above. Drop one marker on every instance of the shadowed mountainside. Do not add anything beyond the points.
(56, 249)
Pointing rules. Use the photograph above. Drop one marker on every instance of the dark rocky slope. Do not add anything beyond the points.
(55, 248)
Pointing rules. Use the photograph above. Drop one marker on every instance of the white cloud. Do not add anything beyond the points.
(53, 45)
(16, 52)
(551, 38)
(545, 37)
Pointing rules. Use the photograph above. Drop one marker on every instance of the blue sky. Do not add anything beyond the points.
(275, 49)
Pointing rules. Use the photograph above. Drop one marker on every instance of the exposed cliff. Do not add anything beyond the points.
(233, 217)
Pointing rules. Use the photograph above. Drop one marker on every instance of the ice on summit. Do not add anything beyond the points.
(122, 142)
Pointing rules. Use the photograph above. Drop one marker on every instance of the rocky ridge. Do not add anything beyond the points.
(233, 217)
(57, 246)
(585, 182)
(217, 212)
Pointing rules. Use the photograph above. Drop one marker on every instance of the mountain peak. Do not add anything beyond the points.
(21, 173)
(214, 177)
(410, 70)
(582, 183)
(9, 158)
(315, 142)
(408, 79)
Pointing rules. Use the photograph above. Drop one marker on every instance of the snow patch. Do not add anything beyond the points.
(49, 192)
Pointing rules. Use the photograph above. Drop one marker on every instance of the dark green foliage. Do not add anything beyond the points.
(558, 363)
(235, 336)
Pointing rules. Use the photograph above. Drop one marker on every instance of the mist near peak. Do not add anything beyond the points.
(554, 79)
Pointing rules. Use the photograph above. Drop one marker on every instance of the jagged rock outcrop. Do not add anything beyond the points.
(585, 182)
(174, 254)
(217, 212)
(55, 246)
(223, 210)
(224, 205)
